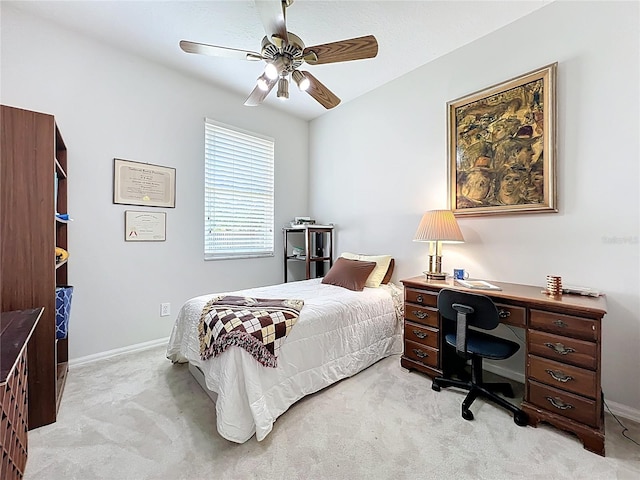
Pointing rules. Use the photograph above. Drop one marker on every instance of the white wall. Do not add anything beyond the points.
(109, 105)
(384, 156)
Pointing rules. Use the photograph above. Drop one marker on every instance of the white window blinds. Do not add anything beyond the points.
(238, 193)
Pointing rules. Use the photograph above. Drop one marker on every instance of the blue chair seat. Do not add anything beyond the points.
(487, 346)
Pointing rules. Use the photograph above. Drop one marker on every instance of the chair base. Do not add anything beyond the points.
(487, 391)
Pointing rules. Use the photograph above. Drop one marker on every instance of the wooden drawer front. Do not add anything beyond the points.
(563, 349)
(563, 403)
(560, 375)
(421, 354)
(420, 334)
(565, 324)
(423, 315)
(421, 297)
(511, 315)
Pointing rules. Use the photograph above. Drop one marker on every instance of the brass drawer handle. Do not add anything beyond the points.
(419, 299)
(560, 323)
(559, 404)
(421, 315)
(420, 334)
(420, 353)
(504, 313)
(559, 348)
(559, 376)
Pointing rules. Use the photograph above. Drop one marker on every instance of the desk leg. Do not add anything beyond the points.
(592, 438)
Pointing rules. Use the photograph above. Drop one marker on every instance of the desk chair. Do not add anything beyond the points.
(479, 311)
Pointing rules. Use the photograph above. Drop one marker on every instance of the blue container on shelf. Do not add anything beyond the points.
(63, 310)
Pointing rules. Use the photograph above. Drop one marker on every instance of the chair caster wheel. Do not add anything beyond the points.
(467, 415)
(435, 386)
(521, 419)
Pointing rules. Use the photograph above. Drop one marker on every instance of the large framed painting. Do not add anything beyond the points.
(502, 147)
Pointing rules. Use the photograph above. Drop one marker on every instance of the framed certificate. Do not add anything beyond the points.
(145, 226)
(143, 184)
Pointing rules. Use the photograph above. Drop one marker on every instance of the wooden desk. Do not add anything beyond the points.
(15, 329)
(563, 342)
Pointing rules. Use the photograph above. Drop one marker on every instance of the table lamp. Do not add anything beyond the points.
(437, 227)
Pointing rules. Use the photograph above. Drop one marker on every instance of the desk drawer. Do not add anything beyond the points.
(423, 315)
(575, 327)
(568, 405)
(421, 353)
(421, 297)
(420, 334)
(563, 349)
(574, 379)
(511, 315)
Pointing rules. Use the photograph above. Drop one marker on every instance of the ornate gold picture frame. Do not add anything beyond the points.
(502, 147)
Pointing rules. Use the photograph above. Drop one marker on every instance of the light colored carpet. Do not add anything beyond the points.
(137, 416)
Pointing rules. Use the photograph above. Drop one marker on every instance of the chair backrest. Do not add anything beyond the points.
(467, 309)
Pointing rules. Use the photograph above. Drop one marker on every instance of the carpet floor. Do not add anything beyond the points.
(137, 416)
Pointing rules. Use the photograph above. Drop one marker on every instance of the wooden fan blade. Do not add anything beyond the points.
(215, 51)
(342, 51)
(273, 16)
(257, 95)
(321, 93)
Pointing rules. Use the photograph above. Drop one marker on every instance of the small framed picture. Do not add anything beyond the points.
(145, 226)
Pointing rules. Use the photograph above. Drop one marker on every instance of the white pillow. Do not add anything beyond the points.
(382, 265)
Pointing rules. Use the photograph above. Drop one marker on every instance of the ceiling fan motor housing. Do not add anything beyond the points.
(289, 58)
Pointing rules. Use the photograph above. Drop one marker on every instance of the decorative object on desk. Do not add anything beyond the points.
(554, 285)
(143, 184)
(502, 147)
(477, 284)
(437, 227)
(63, 310)
(460, 274)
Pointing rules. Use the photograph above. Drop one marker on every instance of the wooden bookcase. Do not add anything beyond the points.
(33, 154)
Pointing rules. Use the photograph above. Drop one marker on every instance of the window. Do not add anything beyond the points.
(238, 193)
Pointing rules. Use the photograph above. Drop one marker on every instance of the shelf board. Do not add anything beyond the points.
(58, 265)
(61, 173)
(312, 259)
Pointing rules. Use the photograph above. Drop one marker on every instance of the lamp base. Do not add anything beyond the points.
(436, 275)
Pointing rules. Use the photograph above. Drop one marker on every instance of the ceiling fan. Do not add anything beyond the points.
(285, 52)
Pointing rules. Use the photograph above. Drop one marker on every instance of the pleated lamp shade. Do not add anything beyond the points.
(438, 225)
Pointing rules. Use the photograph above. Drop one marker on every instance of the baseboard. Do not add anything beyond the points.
(138, 347)
(504, 372)
(618, 409)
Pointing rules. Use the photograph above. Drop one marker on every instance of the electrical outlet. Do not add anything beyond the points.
(165, 309)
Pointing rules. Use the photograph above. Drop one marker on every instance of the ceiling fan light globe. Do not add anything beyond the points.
(263, 83)
(283, 89)
(301, 80)
(271, 71)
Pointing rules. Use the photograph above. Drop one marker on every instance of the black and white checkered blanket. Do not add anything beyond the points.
(258, 325)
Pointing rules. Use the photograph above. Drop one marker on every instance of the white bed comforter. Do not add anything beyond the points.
(339, 333)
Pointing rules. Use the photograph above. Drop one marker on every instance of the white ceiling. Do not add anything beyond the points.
(409, 34)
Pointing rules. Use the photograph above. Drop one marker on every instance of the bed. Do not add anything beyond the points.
(338, 333)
